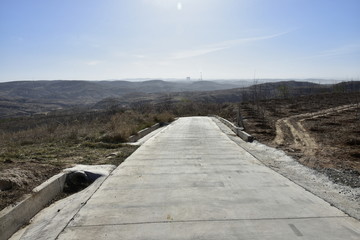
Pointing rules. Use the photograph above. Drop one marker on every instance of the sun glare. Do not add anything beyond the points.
(179, 6)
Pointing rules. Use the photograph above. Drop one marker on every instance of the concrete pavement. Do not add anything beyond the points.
(190, 181)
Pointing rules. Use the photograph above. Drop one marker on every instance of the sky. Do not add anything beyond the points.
(218, 39)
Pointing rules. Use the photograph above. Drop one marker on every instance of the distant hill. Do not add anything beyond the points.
(92, 91)
(283, 89)
(33, 97)
(30, 97)
(67, 91)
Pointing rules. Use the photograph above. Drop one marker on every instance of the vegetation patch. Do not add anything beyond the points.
(44, 145)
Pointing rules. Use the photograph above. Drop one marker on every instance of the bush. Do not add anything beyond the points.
(165, 117)
(114, 138)
(102, 145)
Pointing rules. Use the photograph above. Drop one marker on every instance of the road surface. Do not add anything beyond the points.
(190, 181)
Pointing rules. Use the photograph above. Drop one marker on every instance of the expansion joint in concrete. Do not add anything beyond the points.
(209, 220)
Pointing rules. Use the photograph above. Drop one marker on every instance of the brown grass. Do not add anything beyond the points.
(43, 145)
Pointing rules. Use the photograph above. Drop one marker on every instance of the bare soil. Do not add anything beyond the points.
(320, 131)
(16, 180)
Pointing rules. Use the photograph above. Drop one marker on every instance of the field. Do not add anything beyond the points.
(35, 148)
(321, 131)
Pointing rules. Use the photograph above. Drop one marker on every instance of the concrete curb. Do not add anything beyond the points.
(245, 136)
(13, 218)
(143, 133)
(237, 130)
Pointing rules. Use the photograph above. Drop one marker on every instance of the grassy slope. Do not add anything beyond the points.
(32, 149)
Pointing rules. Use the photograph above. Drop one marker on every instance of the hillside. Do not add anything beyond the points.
(32, 97)
(257, 92)
(89, 91)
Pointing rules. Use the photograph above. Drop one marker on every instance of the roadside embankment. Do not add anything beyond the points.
(143, 132)
(237, 130)
(14, 217)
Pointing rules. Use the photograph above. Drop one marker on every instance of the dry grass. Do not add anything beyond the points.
(43, 145)
(114, 127)
(64, 140)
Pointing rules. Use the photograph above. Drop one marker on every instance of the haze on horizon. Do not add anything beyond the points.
(222, 39)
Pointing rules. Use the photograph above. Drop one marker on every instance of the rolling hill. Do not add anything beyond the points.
(34, 97)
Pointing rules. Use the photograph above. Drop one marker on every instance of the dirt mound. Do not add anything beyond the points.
(15, 178)
(21, 179)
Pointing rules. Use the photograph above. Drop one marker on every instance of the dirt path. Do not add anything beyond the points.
(290, 130)
(321, 132)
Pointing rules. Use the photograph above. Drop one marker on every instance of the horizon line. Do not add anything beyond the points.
(192, 80)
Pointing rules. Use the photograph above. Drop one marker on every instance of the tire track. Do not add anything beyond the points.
(290, 130)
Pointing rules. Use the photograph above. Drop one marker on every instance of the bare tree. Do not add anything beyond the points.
(283, 91)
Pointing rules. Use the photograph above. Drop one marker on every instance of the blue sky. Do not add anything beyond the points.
(227, 39)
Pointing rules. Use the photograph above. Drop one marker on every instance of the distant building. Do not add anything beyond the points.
(188, 78)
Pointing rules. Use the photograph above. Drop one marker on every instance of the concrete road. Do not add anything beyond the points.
(190, 181)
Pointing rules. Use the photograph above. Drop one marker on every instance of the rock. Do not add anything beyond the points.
(5, 185)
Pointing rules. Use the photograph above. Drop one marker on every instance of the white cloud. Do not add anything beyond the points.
(93, 63)
(220, 46)
(139, 56)
(195, 52)
(342, 50)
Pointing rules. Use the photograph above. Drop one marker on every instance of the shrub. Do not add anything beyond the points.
(165, 117)
(101, 145)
